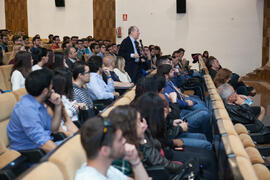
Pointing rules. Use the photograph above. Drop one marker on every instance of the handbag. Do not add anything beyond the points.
(190, 171)
(85, 114)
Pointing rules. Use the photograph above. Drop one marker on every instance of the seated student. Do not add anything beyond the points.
(59, 83)
(17, 40)
(180, 79)
(56, 41)
(158, 146)
(132, 127)
(59, 62)
(95, 49)
(97, 88)
(42, 59)
(109, 64)
(178, 129)
(26, 41)
(81, 76)
(21, 69)
(81, 51)
(239, 111)
(119, 70)
(62, 84)
(4, 45)
(102, 51)
(103, 143)
(36, 49)
(223, 76)
(189, 105)
(30, 125)
(235, 80)
(71, 56)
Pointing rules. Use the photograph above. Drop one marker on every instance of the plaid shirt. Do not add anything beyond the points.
(123, 166)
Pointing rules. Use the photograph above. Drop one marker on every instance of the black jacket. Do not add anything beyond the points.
(244, 114)
(173, 131)
(152, 156)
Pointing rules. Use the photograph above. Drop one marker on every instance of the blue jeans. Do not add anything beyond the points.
(195, 140)
(198, 121)
(198, 103)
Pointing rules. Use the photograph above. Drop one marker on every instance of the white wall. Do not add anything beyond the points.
(76, 18)
(231, 30)
(2, 15)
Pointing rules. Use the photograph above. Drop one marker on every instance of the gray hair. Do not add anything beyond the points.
(225, 91)
(131, 29)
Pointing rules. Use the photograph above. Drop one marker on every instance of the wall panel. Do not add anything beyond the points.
(104, 19)
(16, 15)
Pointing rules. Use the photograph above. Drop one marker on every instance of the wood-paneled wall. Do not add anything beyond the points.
(16, 15)
(104, 20)
(266, 32)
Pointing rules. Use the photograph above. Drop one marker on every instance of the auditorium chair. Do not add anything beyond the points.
(261, 171)
(43, 171)
(6, 58)
(9, 159)
(13, 162)
(68, 157)
(5, 72)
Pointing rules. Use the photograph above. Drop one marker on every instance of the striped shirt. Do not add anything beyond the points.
(82, 95)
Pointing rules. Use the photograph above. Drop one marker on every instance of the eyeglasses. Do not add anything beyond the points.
(107, 125)
(86, 73)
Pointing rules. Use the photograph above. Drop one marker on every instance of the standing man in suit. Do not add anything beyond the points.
(130, 51)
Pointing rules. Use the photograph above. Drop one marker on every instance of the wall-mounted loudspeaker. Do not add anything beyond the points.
(181, 6)
(60, 3)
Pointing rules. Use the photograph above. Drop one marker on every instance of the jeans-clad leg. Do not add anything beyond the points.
(198, 121)
(195, 140)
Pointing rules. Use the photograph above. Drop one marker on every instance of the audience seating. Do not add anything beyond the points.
(244, 159)
(68, 157)
(11, 161)
(5, 73)
(7, 103)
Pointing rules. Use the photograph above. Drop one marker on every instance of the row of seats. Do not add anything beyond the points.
(61, 163)
(11, 44)
(244, 159)
(7, 55)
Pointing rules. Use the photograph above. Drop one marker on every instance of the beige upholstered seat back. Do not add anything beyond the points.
(19, 93)
(5, 83)
(6, 58)
(44, 171)
(69, 157)
(7, 103)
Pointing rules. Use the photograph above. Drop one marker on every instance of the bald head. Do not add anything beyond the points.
(108, 61)
(134, 32)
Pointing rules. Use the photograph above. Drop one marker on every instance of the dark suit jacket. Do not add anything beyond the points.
(69, 63)
(134, 69)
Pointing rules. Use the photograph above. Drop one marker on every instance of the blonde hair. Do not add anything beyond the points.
(120, 63)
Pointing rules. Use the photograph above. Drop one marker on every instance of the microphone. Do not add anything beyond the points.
(141, 43)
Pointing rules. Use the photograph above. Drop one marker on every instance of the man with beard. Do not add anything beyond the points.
(103, 143)
(30, 125)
